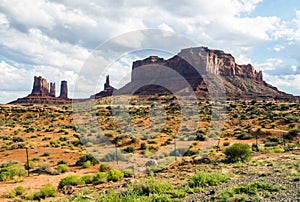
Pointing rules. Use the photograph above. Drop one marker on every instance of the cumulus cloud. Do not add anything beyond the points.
(286, 83)
(55, 38)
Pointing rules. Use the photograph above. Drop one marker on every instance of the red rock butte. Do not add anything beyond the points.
(193, 64)
(41, 94)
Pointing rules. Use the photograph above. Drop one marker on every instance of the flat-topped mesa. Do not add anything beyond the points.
(192, 66)
(189, 62)
(219, 62)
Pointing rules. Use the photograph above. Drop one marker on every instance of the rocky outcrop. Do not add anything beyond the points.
(192, 65)
(41, 94)
(52, 89)
(108, 90)
(40, 87)
(64, 90)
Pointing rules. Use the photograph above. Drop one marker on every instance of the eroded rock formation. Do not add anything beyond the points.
(41, 94)
(108, 90)
(194, 64)
(64, 90)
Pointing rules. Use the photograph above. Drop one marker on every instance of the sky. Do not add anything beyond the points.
(58, 39)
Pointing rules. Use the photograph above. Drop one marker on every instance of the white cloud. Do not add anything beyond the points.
(286, 83)
(270, 64)
(58, 36)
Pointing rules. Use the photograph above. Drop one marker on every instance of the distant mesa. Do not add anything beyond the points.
(192, 64)
(239, 81)
(44, 93)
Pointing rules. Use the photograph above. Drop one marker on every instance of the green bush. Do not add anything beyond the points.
(150, 187)
(100, 177)
(115, 175)
(87, 179)
(12, 170)
(111, 156)
(238, 152)
(29, 165)
(143, 146)
(86, 164)
(61, 168)
(244, 136)
(129, 149)
(204, 179)
(225, 144)
(72, 180)
(85, 158)
(291, 134)
(19, 190)
(128, 172)
(47, 190)
(104, 167)
(251, 188)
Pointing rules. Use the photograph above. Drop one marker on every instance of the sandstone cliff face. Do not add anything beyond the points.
(192, 64)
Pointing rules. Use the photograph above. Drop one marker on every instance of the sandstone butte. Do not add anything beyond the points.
(197, 67)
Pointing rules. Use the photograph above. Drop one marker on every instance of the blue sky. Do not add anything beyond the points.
(55, 38)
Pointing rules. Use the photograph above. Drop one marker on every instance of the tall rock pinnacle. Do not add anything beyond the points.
(64, 90)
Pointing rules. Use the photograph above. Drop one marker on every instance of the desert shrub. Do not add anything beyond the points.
(200, 135)
(100, 177)
(115, 175)
(29, 129)
(11, 194)
(251, 188)
(178, 152)
(244, 136)
(204, 179)
(17, 146)
(11, 171)
(61, 162)
(113, 156)
(85, 158)
(271, 144)
(45, 154)
(128, 172)
(225, 144)
(238, 152)
(129, 149)
(143, 146)
(55, 143)
(152, 186)
(87, 179)
(291, 134)
(17, 139)
(72, 180)
(104, 167)
(61, 168)
(47, 190)
(29, 165)
(19, 190)
(86, 164)
(290, 118)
